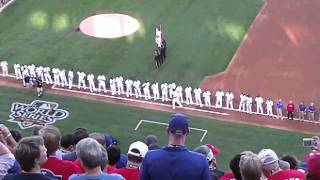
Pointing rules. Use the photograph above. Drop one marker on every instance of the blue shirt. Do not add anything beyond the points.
(312, 109)
(174, 163)
(102, 176)
(280, 105)
(302, 107)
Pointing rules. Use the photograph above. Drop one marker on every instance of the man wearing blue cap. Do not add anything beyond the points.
(175, 161)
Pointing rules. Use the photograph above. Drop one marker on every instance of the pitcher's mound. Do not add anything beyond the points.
(109, 25)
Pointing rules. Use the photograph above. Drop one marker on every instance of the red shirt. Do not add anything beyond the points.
(287, 175)
(60, 168)
(227, 176)
(129, 174)
(108, 169)
(290, 107)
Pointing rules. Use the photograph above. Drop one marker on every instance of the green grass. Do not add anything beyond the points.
(202, 36)
(120, 121)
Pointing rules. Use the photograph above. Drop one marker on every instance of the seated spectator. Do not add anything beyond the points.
(175, 161)
(313, 166)
(292, 160)
(93, 156)
(113, 154)
(271, 168)
(250, 166)
(31, 154)
(55, 166)
(67, 143)
(6, 158)
(136, 153)
(78, 134)
(16, 134)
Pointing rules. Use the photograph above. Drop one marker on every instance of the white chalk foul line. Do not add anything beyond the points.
(136, 100)
(165, 124)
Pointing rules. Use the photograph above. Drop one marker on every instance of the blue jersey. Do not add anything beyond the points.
(174, 163)
(280, 105)
(312, 109)
(302, 107)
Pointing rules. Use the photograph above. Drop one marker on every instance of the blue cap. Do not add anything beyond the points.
(178, 123)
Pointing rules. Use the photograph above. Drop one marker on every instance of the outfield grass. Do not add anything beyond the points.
(202, 36)
(120, 121)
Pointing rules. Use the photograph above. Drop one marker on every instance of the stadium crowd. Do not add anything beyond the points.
(79, 155)
(165, 92)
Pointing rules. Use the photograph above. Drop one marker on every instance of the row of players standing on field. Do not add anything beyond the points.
(169, 91)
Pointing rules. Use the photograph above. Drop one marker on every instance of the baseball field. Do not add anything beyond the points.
(202, 38)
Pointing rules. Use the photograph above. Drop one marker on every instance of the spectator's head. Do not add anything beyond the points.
(269, 161)
(250, 166)
(113, 154)
(91, 154)
(151, 139)
(206, 152)
(99, 137)
(234, 166)
(16, 134)
(292, 160)
(80, 133)
(314, 165)
(67, 142)
(36, 129)
(51, 136)
(213, 149)
(31, 153)
(137, 151)
(178, 129)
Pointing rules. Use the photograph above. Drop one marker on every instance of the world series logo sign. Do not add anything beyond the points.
(36, 113)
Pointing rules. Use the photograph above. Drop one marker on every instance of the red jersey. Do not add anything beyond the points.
(290, 107)
(227, 176)
(129, 174)
(287, 175)
(60, 168)
(108, 169)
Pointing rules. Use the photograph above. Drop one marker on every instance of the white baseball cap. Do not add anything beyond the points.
(138, 149)
(267, 156)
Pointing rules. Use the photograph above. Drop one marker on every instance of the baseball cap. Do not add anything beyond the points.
(314, 165)
(213, 149)
(138, 149)
(178, 123)
(206, 151)
(267, 156)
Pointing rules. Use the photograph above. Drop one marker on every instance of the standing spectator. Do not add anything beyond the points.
(302, 111)
(250, 166)
(136, 153)
(54, 165)
(290, 109)
(174, 161)
(6, 159)
(280, 107)
(93, 156)
(311, 111)
(31, 154)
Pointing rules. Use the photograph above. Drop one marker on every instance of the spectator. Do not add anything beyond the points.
(250, 166)
(290, 110)
(152, 141)
(36, 129)
(271, 168)
(292, 160)
(78, 134)
(311, 111)
(16, 134)
(214, 164)
(113, 154)
(136, 153)
(7, 138)
(174, 161)
(6, 159)
(67, 143)
(31, 154)
(302, 111)
(58, 167)
(314, 166)
(206, 152)
(93, 156)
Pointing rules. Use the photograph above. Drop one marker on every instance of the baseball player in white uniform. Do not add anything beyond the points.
(39, 72)
(17, 71)
(62, 74)
(180, 93)
(129, 84)
(269, 107)
(164, 92)
(259, 101)
(219, 97)
(207, 98)
(158, 36)
(197, 94)
(171, 87)
(249, 104)
(32, 72)
(56, 80)
(113, 86)
(47, 76)
(81, 80)
(25, 73)
(4, 67)
(70, 78)
(102, 83)
(175, 100)
(155, 91)
(119, 82)
(242, 103)
(229, 100)
(137, 90)
(188, 93)
(146, 90)
(90, 79)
